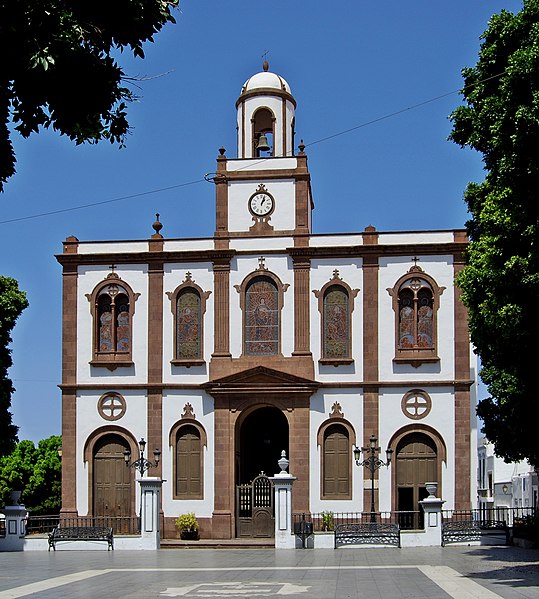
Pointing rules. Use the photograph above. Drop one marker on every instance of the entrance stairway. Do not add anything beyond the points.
(263, 543)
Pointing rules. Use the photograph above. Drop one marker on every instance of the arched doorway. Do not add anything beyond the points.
(416, 463)
(261, 437)
(263, 434)
(112, 479)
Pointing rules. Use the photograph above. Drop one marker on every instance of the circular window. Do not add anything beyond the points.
(416, 404)
(111, 406)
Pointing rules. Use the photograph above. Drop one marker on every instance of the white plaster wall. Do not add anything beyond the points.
(335, 240)
(203, 406)
(135, 275)
(279, 265)
(441, 418)
(440, 268)
(256, 164)
(283, 192)
(88, 420)
(109, 247)
(261, 244)
(416, 237)
(188, 245)
(322, 401)
(350, 271)
(174, 275)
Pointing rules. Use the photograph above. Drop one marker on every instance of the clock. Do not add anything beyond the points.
(261, 203)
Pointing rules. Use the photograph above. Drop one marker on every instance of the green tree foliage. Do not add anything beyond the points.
(58, 67)
(12, 303)
(37, 472)
(500, 282)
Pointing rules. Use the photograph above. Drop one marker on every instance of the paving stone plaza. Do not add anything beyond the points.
(390, 573)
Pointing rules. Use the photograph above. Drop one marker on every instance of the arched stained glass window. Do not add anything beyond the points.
(261, 317)
(336, 323)
(188, 325)
(415, 315)
(113, 320)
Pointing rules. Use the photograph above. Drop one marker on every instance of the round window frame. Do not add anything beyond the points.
(415, 393)
(112, 417)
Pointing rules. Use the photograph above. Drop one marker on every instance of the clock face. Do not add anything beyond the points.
(261, 204)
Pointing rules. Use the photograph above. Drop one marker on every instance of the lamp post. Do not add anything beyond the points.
(142, 465)
(372, 462)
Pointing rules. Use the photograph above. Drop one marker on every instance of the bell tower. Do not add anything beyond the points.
(265, 190)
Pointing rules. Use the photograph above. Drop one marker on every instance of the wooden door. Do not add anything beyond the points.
(112, 485)
(416, 464)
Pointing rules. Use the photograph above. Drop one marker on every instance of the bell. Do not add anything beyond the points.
(262, 145)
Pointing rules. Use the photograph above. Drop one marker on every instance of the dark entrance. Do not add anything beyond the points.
(261, 438)
(416, 464)
(112, 480)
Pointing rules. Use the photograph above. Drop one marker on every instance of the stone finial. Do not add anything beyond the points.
(283, 462)
(157, 226)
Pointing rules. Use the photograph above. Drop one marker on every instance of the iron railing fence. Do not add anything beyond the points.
(121, 525)
(327, 521)
(489, 517)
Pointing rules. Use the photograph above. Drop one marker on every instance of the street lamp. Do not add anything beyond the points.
(372, 462)
(142, 465)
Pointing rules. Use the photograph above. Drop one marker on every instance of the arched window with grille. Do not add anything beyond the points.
(416, 302)
(112, 304)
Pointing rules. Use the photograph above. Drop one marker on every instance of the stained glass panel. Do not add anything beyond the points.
(406, 319)
(262, 318)
(336, 334)
(104, 310)
(123, 330)
(188, 325)
(424, 318)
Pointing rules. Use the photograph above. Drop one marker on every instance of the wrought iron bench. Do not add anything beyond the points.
(81, 533)
(460, 531)
(367, 533)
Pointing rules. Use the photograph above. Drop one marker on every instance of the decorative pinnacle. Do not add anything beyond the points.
(158, 225)
(265, 64)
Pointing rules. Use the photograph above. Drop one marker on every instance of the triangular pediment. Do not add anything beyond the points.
(262, 376)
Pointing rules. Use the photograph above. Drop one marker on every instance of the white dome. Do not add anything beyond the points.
(265, 80)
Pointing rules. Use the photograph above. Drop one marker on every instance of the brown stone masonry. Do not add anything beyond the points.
(370, 356)
(302, 337)
(462, 399)
(221, 280)
(155, 356)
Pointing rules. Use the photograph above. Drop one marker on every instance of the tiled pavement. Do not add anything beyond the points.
(434, 573)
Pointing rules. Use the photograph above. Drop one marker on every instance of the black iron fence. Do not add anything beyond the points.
(490, 517)
(327, 521)
(121, 525)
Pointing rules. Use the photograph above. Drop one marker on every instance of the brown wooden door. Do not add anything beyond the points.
(416, 463)
(112, 486)
(336, 462)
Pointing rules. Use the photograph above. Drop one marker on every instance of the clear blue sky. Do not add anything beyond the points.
(348, 63)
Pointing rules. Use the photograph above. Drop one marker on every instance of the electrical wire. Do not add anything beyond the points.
(250, 165)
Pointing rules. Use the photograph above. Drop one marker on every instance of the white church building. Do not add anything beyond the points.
(222, 352)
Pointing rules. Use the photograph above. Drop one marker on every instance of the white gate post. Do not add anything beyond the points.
(432, 507)
(282, 484)
(150, 529)
(15, 525)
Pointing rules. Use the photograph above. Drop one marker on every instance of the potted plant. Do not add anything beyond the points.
(187, 524)
(327, 521)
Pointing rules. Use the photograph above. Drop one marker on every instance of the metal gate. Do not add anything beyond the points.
(255, 515)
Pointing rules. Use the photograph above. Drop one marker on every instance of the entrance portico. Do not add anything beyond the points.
(275, 407)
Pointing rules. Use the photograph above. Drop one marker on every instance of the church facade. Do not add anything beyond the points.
(222, 352)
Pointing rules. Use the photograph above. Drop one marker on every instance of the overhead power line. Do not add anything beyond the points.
(187, 184)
